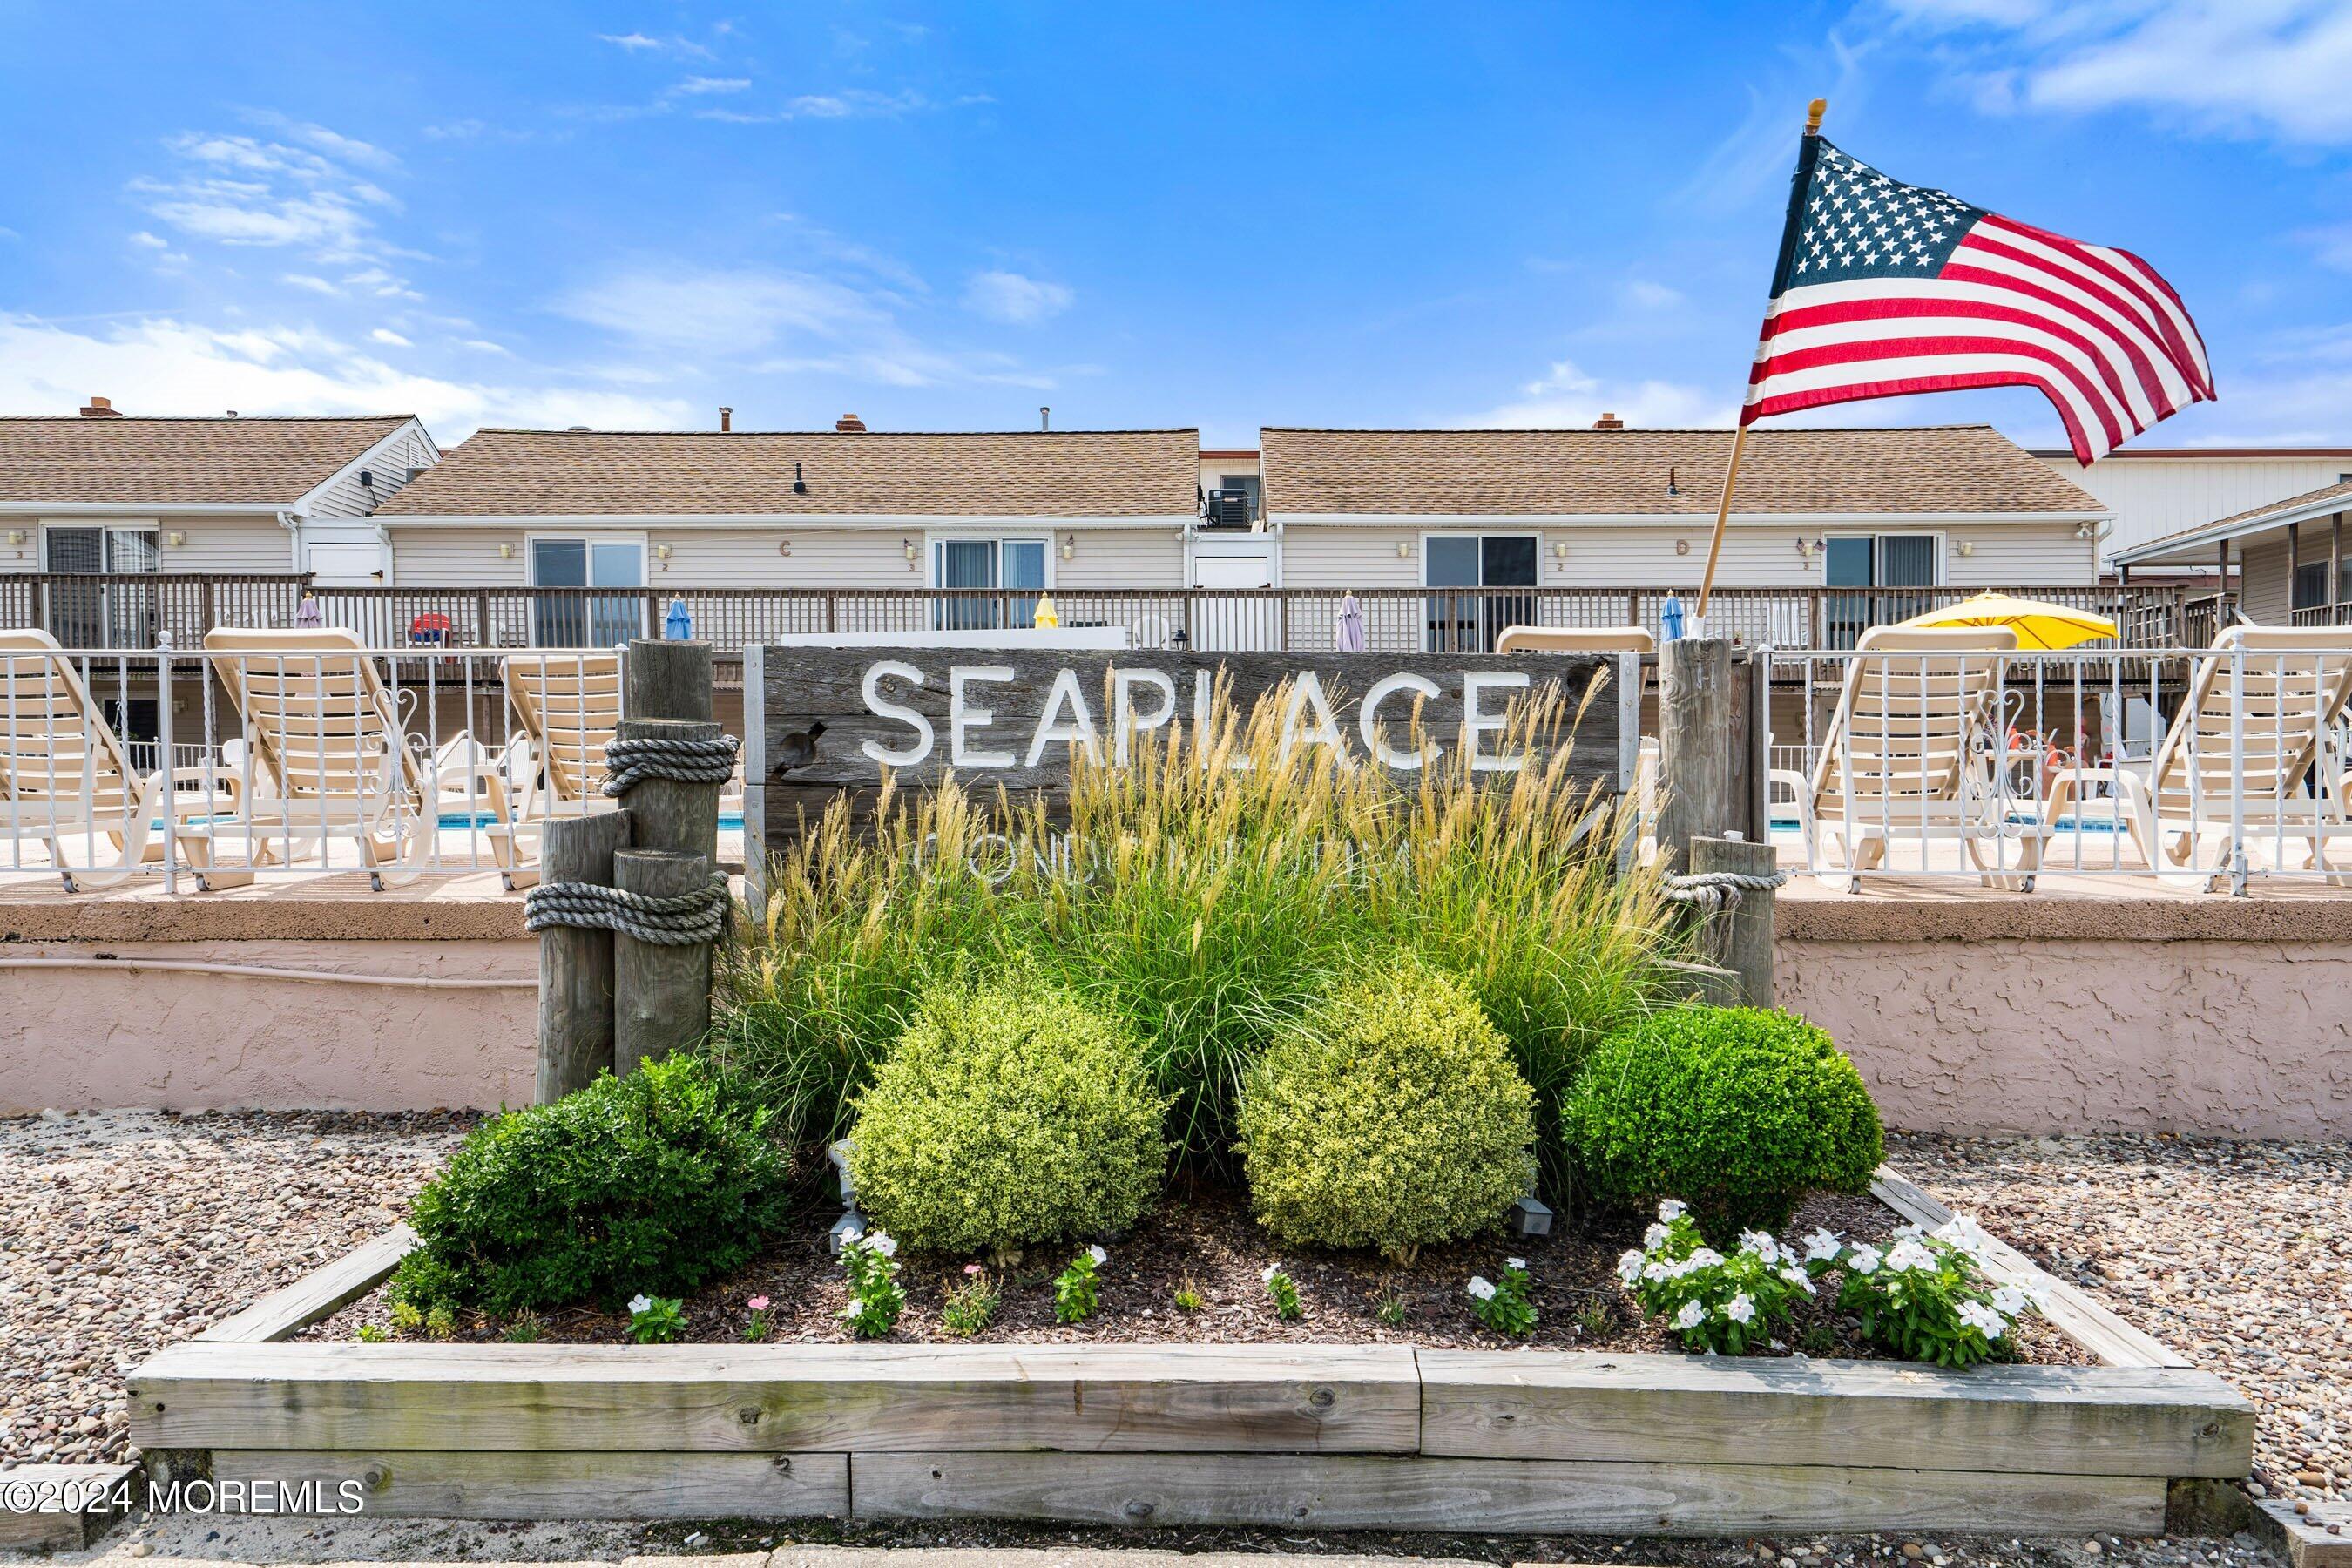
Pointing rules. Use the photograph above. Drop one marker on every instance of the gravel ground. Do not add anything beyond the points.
(121, 1233)
(2237, 1254)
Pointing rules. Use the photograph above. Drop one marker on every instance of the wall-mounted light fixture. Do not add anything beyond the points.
(1808, 547)
(1404, 550)
(661, 553)
(1069, 545)
(175, 539)
(1968, 548)
(907, 545)
(15, 536)
(1559, 550)
(2084, 529)
(506, 552)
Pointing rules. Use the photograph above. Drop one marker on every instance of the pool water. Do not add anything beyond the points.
(729, 821)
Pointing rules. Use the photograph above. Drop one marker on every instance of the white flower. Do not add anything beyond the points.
(1761, 1243)
(1482, 1288)
(1966, 1234)
(1822, 1244)
(1799, 1278)
(1982, 1319)
(1740, 1310)
(1271, 1270)
(1629, 1266)
(1907, 1256)
(1654, 1237)
(2010, 1301)
(1657, 1271)
(882, 1242)
(1519, 1263)
(1911, 1232)
(1691, 1316)
(639, 1304)
(1098, 1255)
(1672, 1209)
(1863, 1260)
(1704, 1257)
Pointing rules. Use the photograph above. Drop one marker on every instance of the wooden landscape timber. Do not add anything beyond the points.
(1301, 1435)
(825, 723)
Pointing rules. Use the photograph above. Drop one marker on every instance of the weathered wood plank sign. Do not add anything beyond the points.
(821, 722)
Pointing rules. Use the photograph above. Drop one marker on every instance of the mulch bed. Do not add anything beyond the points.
(1203, 1236)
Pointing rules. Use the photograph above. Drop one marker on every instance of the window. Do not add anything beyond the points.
(574, 616)
(1469, 622)
(1882, 561)
(999, 564)
(102, 614)
(2310, 585)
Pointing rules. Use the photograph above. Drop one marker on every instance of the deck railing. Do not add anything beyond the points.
(129, 611)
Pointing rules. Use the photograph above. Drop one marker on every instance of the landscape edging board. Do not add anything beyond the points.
(1325, 1436)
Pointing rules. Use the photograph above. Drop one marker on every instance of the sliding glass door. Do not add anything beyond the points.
(1469, 623)
(1000, 564)
(582, 619)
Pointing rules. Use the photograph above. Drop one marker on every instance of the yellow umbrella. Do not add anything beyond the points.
(2038, 624)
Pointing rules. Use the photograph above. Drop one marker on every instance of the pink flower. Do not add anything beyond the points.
(758, 1303)
(972, 1269)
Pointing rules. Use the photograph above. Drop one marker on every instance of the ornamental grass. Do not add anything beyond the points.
(1206, 888)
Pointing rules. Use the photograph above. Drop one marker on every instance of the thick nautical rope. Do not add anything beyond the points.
(1713, 890)
(628, 761)
(673, 922)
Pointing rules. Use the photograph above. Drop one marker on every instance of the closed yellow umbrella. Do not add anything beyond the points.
(2038, 624)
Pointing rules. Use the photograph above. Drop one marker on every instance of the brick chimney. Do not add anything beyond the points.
(1609, 422)
(726, 417)
(849, 422)
(101, 408)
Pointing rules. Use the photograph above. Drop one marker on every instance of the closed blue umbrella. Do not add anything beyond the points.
(679, 626)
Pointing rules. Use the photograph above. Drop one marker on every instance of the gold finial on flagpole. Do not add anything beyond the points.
(1813, 112)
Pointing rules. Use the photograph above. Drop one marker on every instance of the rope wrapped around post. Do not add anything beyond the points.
(676, 921)
(629, 761)
(1715, 890)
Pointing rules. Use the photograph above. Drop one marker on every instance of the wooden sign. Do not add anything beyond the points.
(823, 722)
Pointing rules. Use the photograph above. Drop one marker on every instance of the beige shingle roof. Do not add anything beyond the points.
(577, 473)
(2252, 514)
(1936, 469)
(146, 462)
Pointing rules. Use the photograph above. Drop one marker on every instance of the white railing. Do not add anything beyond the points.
(286, 762)
(2208, 765)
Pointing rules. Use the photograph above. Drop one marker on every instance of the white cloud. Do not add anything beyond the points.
(1011, 298)
(802, 322)
(387, 335)
(1565, 397)
(633, 42)
(702, 86)
(150, 241)
(1648, 295)
(314, 285)
(2273, 67)
(645, 43)
(167, 366)
(484, 345)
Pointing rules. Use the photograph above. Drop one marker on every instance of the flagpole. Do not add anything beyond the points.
(1813, 112)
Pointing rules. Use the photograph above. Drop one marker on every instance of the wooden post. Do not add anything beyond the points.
(575, 965)
(1738, 939)
(661, 995)
(667, 694)
(1695, 742)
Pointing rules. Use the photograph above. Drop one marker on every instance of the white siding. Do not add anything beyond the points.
(2155, 496)
(453, 557)
(2264, 580)
(1755, 555)
(208, 544)
(347, 498)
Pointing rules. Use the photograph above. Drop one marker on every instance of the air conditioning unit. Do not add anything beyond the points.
(1228, 509)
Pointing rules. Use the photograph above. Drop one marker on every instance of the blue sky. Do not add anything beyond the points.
(941, 217)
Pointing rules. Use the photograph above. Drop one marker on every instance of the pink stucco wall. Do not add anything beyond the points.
(2060, 1035)
(124, 1035)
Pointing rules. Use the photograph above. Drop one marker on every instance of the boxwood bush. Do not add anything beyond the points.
(652, 1182)
(1391, 1117)
(1737, 1111)
(1008, 1114)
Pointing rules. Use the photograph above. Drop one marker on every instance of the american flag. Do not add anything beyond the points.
(1885, 289)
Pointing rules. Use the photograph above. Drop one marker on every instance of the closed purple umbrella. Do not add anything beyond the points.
(1351, 623)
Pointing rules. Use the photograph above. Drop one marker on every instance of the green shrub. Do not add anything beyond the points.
(1736, 1112)
(652, 1182)
(1008, 1114)
(1391, 1117)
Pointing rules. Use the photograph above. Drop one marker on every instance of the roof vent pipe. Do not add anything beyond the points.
(800, 485)
(1045, 417)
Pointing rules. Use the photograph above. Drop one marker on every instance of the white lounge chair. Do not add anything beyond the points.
(325, 759)
(1910, 754)
(64, 775)
(2260, 714)
(569, 708)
